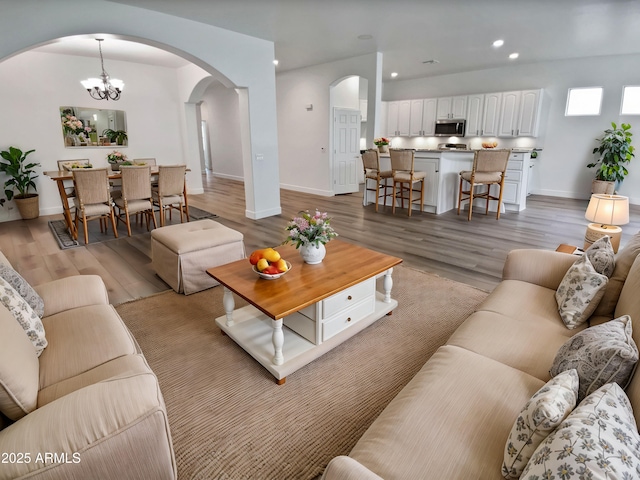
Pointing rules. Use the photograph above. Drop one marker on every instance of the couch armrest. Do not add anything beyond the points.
(72, 292)
(540, 267)
(116, 428)
(346, 468)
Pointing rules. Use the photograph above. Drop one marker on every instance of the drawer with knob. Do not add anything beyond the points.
(348, 297)
(348, 317)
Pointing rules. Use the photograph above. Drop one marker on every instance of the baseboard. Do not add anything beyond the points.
(312, 191)
(229, 177)
(263, 213)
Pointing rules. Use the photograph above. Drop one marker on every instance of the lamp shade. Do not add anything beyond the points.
(608, 209)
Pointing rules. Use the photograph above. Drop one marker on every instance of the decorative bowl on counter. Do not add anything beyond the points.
(268, 276)
(489, 144)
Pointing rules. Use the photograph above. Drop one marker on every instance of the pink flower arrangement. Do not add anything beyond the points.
(310, 229)
(116, 157)
(72, 125)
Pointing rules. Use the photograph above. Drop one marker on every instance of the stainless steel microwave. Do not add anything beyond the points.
(450, 127)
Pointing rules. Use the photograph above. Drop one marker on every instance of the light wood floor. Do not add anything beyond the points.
(447, 245)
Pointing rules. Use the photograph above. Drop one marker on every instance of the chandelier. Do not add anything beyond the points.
(103, 88)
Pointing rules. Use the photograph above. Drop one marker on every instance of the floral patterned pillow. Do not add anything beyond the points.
(24, 314)
(580, 292)
(23, 288)
(601, 354)
(599, 439)
(547, 408)
(601, 256)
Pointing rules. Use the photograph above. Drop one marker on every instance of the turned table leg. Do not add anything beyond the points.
(229, 306)
(278, 341)
(387, 285)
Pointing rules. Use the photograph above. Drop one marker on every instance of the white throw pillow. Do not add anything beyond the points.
(580, 292)
(598, 440)
(24, 314)
(546, 409)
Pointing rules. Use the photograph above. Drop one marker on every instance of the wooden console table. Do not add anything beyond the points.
(310, 310)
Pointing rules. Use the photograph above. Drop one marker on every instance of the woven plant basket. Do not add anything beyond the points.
(29, 206)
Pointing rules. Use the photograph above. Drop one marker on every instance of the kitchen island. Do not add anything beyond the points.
(443, 169)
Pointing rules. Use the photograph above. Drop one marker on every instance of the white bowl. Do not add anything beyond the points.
(267, 276)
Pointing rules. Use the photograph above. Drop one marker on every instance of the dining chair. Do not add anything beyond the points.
(65, 166)
(371, 162)
(170, 191)
(136, 195)
(402, 169)
(93, 199)
(489, 168)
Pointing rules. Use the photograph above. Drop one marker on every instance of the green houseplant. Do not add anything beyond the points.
(21, 175)
(615, 150)
(117, 136)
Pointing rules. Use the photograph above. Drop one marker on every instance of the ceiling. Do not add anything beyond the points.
(457, 33)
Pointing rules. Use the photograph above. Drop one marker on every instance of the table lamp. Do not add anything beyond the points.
(606, 212)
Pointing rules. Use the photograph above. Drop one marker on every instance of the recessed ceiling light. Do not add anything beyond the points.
(430, 62)
(365, 37)
(275, 62)
(498, 43)
(394, 74)
(514, 55)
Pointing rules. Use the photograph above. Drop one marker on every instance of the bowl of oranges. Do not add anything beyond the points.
(268, 263)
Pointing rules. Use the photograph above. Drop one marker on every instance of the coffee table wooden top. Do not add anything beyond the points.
(344, 266)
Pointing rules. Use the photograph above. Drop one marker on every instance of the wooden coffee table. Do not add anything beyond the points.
(310, 310)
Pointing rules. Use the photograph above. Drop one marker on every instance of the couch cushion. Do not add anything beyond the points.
(23, 288)
(24, 315)
(624, 260)
(599, 439)
(601, 354)
(580, 292)
(601, 256)
(81, 339)
(526, 346)
(548, 407)
(126, 365)
(450, 421)
(523, 302)
(18, 369)
(629, 300)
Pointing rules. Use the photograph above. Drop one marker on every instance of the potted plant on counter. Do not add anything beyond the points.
(116, 136)
(21, 175)
(614, 152)
(382, 143)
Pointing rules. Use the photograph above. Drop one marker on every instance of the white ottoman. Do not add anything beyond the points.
(182, 253)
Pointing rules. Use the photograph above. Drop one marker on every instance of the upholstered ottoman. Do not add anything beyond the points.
(182, 253)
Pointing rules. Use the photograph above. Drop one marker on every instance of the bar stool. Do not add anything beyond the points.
(371, 162)
(402, 167)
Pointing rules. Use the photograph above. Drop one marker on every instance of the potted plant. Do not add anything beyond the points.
(614, 152)
(382, 143)
(116, 159)
(117, 136)
(21, 175)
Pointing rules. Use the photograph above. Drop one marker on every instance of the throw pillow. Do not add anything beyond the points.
(23, 288)
(599, 439)
(546, 409)
(24, 314)
(601, 256)
(601, 354)
(579, 292)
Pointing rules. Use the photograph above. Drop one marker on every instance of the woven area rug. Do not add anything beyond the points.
(62, 235)
(228, 418)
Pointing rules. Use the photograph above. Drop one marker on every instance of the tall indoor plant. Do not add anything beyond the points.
(21, 175)
(614, 152)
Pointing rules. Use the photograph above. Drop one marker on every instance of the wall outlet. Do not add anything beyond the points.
(259, 157)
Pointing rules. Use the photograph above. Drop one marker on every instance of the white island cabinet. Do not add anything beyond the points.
(443, 179)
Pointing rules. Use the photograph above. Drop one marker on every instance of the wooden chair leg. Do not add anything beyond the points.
(471, 190)
(127, 220)
(162, 213)
(422, 196)
(153, 218)
(460, 195)
(410, 199)
(377, 191)
(500, 199)
(113, 223)
(181, 219)
(86, 231)
(488, 196)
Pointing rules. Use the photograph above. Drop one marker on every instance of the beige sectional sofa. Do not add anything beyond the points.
(89, 406)
(454, 417)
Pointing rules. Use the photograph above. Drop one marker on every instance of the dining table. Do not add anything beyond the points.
(62, 176)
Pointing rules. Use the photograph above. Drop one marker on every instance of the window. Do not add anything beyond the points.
(584, 101)
(630, 101)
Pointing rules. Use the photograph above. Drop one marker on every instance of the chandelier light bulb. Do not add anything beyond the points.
(103, 88)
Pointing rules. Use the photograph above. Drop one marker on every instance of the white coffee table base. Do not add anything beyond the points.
(261, 337)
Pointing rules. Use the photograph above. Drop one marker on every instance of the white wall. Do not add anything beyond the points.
(36, 85)
(221, 108)
(567, 141)
(346, 94)
(303, 135)
(240, 60)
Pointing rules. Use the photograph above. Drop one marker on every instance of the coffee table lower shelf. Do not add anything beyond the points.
(254, 332)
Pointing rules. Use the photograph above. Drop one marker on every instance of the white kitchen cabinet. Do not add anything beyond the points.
(398, 119)
(451, 107)
(423, 117)
(483, 114)
(520, 113)
(475, 107)
(431, 182)
(516, 181)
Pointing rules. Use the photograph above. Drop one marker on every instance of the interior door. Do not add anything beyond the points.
(346, 150)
